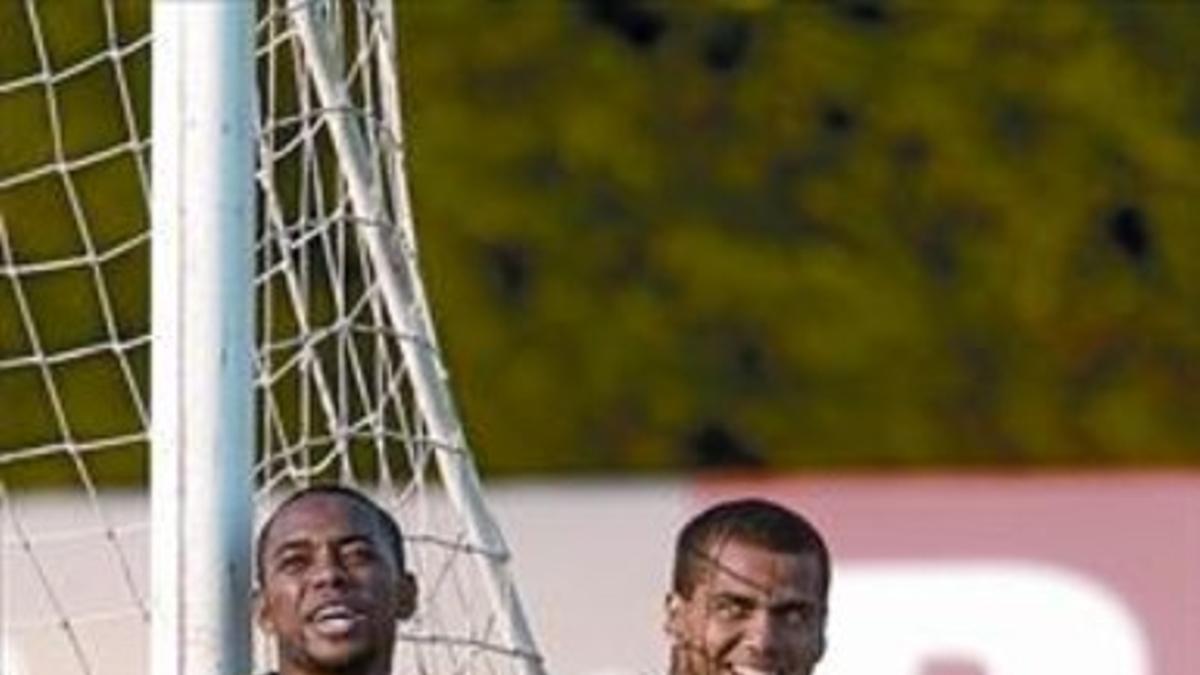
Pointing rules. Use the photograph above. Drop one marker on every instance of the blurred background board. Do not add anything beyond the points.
(933, 574)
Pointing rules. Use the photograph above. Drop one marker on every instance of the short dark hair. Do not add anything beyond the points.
(751, 521)
(391, 530)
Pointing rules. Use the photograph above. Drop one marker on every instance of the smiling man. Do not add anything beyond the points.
(332, 583)
(749, 591)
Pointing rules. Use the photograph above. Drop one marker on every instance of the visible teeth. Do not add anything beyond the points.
(333, 612)
(335, 620)
(750, 670)
(339, 626)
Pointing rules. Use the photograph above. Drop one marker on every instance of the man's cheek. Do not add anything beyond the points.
(721, 642)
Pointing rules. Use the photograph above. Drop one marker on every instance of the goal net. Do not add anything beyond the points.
(349, 383)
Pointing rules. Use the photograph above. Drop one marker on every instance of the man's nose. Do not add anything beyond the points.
(328, 569)
(762, 631)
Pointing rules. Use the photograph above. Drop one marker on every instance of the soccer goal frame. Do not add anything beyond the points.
(290, 337)
(202, 322)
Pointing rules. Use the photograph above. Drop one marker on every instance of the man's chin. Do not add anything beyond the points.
(751, 669)
(697, 664)
(711, 668)
(338, 655)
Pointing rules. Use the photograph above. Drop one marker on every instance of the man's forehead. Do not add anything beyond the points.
(323, 516)
(748, 569)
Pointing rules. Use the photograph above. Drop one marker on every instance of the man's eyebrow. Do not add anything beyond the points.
(734, 596)
(796, 603)
(287, 546)
(356, 538)
(305, 542)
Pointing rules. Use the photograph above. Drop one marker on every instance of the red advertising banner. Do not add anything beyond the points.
(1005, 575)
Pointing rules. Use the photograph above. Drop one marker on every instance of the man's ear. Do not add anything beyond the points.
(262, 614)
(406, 596)
(822, 641)
(673, 615)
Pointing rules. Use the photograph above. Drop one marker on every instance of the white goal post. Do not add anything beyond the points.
(202, 321)
(291, 337)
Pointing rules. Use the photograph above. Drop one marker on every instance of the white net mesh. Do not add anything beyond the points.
(345, 350)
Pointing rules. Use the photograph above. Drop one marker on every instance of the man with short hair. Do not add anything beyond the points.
(749, 592)
(332, 583)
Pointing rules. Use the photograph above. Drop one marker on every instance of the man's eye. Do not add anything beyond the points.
(728, 609)
(359, 554)
(291, 563)
(798, 615)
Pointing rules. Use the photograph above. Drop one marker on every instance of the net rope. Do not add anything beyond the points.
(336, 388)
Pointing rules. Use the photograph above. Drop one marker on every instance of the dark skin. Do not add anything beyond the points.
(753, 612)
(332, 589)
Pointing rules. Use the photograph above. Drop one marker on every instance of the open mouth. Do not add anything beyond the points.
(335, 619)
(752, 670)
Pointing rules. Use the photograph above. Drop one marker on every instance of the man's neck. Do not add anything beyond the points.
(678, 665)
(380, 666)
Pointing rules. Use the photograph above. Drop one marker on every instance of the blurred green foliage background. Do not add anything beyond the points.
(745, 233)
(813, 233)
